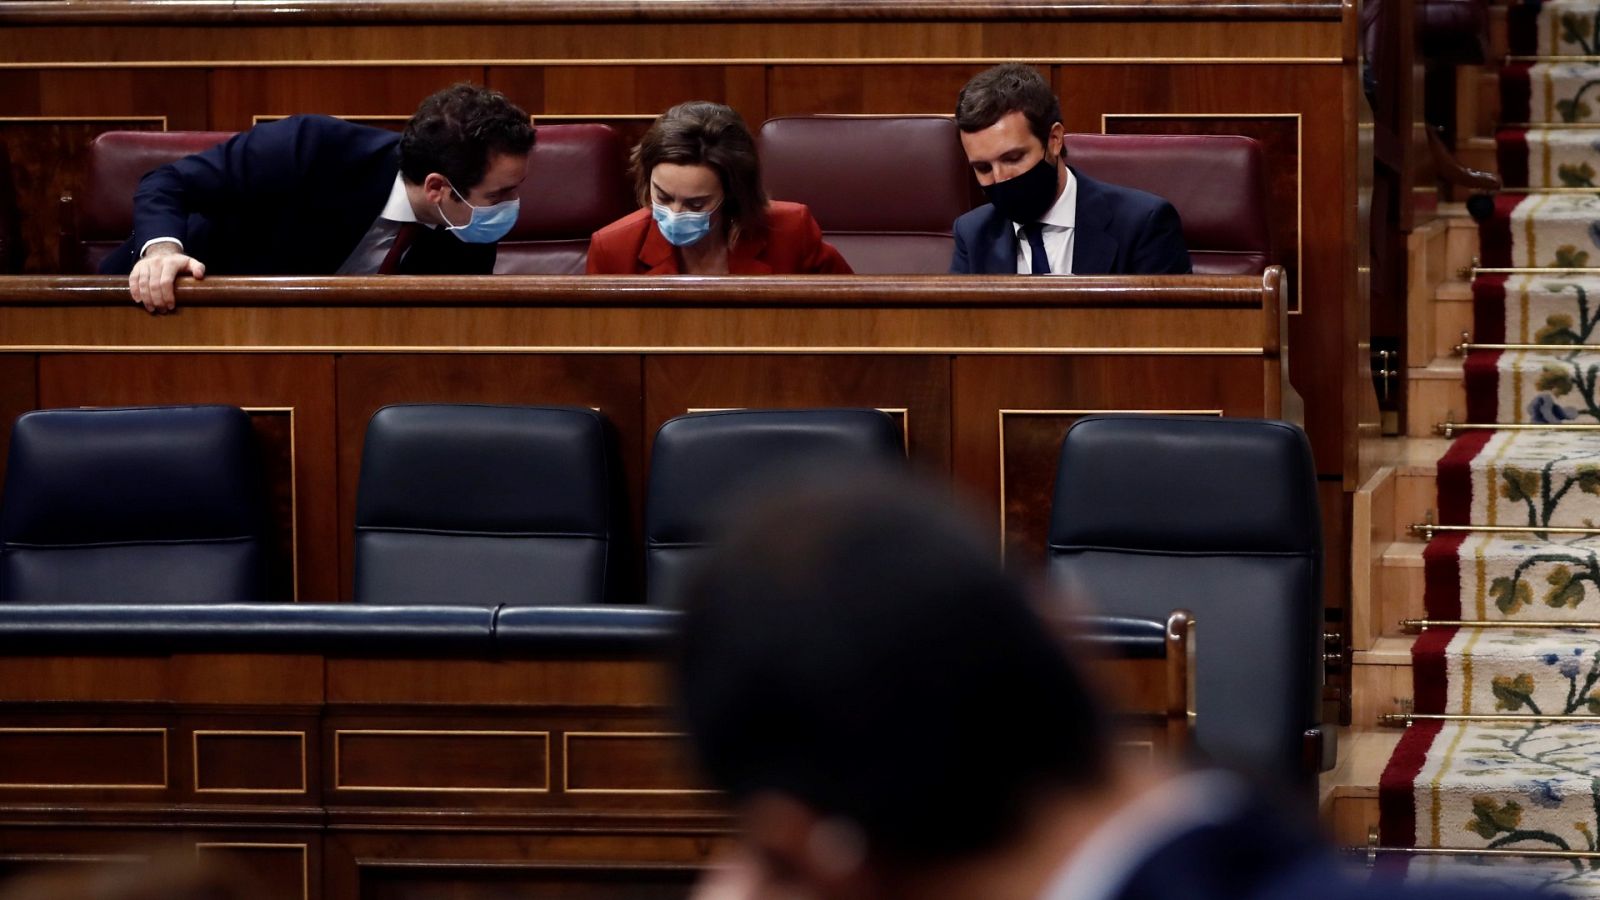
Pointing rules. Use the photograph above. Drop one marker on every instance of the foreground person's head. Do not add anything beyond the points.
(873, 690)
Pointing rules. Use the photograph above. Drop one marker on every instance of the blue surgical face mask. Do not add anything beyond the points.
(682, 228)
(488, 223)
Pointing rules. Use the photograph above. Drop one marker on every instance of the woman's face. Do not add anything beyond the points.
(681, 188)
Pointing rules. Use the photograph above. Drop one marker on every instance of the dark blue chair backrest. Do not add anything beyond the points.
(137, 505)
(485, 505)
(703, 460)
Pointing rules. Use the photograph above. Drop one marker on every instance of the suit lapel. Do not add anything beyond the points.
(1000, 250)
(743, 257)
(656, 253)
(1094, 249)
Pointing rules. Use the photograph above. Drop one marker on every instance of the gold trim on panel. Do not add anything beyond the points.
(1299, 180)
(687, 61)
(166, 761)
(904, 412)
(792, 351)
(161, 119)
(258, 118)
(195, 758)
(294, 497)
(1000, 420)
(339, 734)
(566, 756)
(305, 856)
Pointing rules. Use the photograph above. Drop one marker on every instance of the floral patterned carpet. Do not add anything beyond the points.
(1505, 752)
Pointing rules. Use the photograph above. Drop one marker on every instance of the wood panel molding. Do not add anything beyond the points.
(145, 12)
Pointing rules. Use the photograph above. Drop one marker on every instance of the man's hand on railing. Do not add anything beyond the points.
(151, 280)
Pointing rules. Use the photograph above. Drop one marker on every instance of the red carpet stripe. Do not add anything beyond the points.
(1428, 671)
(1441, 568)
(1397, 806)
(1455, 478)
(1494, 234)
(1489, 309)
(1481, 372)
(1511, 151)
(1515, 92)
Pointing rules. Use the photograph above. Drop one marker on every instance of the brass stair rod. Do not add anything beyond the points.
(1406, 719)
(1427, 529)
(1451, 429)
(1412, 626)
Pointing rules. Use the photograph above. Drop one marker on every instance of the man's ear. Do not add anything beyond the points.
(436, 187)
(1058, 140)
(822, 855)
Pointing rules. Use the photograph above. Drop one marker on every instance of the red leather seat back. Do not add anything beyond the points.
(1216, 182)
(885, 189)
(117, 160)
(577, 184)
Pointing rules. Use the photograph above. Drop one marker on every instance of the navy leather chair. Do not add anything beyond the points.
(146, 505)
(1220, 517)
(702, 460)
(487, 505)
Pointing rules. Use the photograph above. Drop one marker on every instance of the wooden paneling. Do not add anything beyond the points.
(1137, 39)
(19, 392)
(1040, 395)
(282, 869)
(611, 384)
(466, 881)
(54, 758)
(117, 93)
(237, 95)
(808, 90)
(303, 383)
(440, 760)
(244, 761)
(627, 763)
(918, 384)
(45, 160)
(1322, 335)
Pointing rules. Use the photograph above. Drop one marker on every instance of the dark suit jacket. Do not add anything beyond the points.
(1119, 231)
(792, 245)
(291, 197)
(1256, 854)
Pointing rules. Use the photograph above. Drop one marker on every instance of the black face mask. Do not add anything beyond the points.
(1024, 198)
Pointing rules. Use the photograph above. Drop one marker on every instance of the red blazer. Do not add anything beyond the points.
(792, 245)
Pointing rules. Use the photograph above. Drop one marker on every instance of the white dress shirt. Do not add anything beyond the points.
(368, 255)
(1060, 223)
(1100, 866)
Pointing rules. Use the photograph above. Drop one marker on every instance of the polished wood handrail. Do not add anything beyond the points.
(272, 12)
(937, 291)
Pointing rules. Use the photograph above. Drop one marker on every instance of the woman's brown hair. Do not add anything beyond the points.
(701, 133)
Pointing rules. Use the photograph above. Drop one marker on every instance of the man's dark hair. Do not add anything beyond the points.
(858, 646)
(702, 133)
(454, 131)
(1007, 88)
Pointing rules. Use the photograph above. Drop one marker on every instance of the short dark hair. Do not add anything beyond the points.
(454, 131)
(858, 646)
(1007, 88)
(702, 133)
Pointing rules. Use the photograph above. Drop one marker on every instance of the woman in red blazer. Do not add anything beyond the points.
(705, 213)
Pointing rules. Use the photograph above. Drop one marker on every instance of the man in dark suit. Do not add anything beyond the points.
(890, 717)
(1044, 216)
(313, 195)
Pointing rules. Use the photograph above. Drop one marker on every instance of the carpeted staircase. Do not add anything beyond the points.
(1503, 749)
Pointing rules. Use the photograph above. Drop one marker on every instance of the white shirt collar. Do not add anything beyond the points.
(1101, 865)
(1064, 212)
(398, 208)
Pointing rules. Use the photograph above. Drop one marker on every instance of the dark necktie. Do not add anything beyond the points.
(1035, 233)
(397, 250)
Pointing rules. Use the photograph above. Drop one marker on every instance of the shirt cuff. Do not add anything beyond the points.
(158, 241)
